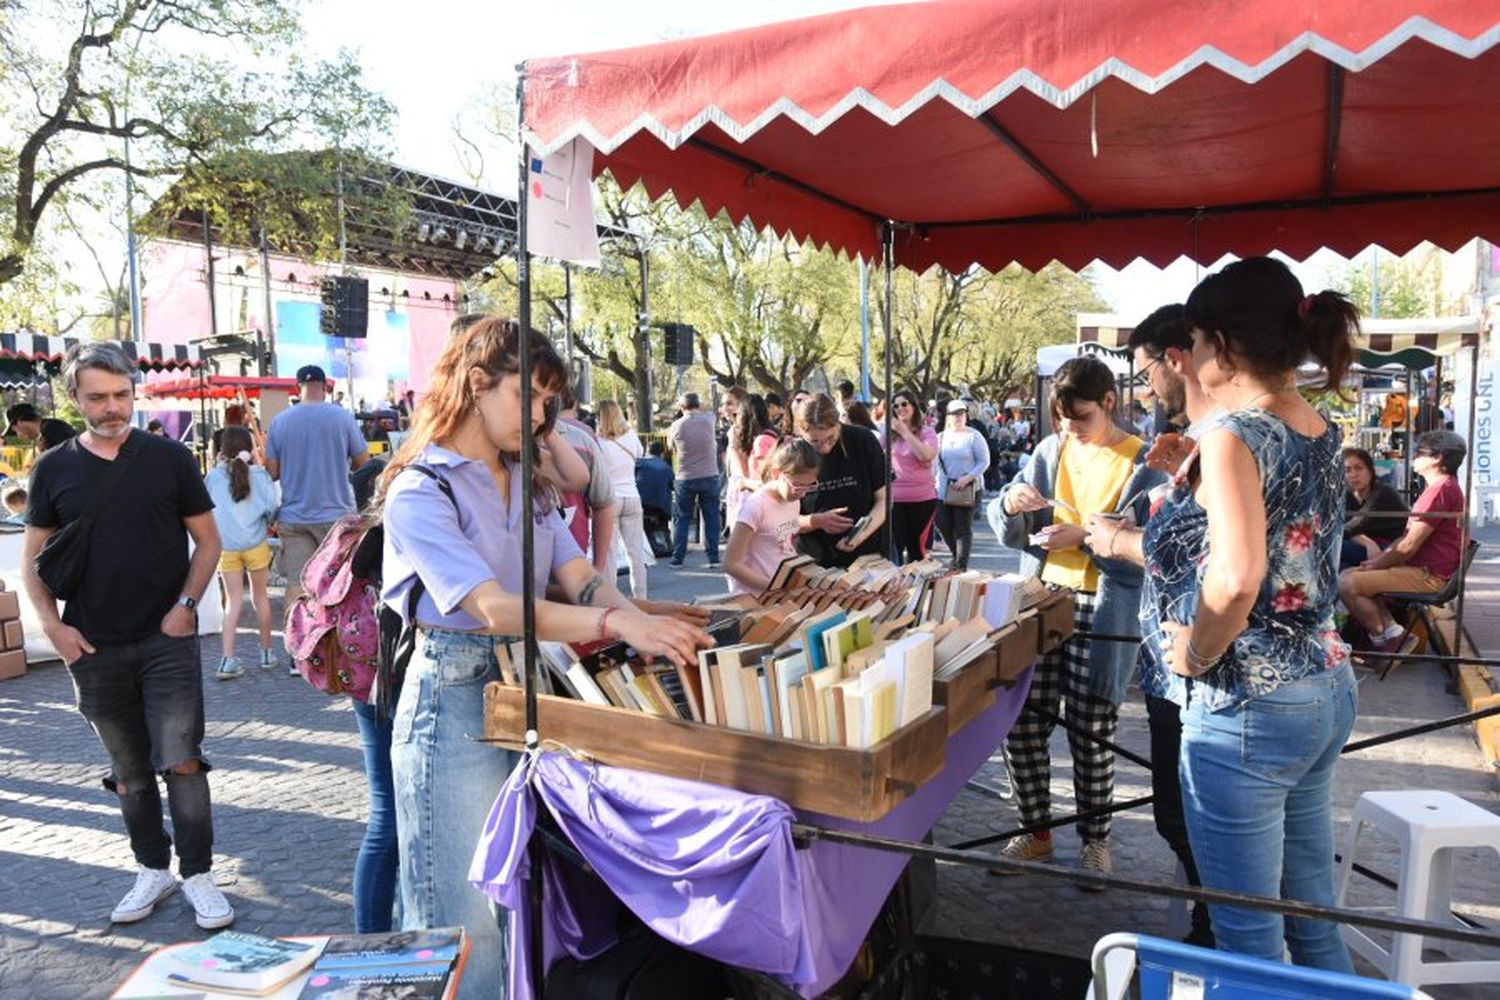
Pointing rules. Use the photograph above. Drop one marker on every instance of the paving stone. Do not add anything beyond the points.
(290, 806)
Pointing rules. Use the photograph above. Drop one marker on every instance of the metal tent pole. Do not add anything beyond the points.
(864, 334)
(1406, 447)
(888, 247)
(528, 531)
(568, 316)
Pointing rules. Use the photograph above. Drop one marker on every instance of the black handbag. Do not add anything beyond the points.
(65, 554)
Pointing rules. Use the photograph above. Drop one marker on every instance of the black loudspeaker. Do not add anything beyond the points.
(346, 307)
(679, 343)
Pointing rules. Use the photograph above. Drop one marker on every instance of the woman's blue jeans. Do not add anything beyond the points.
(375, 871)
(446, 784)
(1257, 789)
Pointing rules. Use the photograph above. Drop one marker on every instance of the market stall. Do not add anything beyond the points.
(991, 133)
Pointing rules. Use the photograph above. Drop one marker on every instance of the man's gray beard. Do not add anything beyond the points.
(99, 431)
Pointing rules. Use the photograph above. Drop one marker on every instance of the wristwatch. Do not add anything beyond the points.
(191, 603)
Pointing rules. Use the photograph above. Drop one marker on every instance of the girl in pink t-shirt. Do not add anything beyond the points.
(913, 447)
(765, 529)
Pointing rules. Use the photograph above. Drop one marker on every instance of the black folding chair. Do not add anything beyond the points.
(1415, 603)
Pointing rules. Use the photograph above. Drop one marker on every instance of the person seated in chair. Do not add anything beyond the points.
(1375, 513)
(1425, 557)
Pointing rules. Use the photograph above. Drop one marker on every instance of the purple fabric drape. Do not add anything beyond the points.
(708, 867)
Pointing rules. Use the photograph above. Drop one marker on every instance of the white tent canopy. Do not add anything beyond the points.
(1049, 359)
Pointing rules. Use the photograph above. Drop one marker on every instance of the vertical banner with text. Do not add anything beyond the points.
(560, 211)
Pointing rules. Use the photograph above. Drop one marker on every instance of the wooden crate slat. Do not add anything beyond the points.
(840, 781)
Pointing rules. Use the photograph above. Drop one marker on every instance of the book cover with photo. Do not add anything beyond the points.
(345, 951)
(238, 961)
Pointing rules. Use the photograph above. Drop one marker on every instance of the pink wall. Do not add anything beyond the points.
(174, 297)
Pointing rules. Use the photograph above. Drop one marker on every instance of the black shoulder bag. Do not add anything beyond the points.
(65, 554)
(398, 638)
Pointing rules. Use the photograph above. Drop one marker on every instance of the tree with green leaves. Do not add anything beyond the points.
(976, 333)
(159, 89)
(1390, 287)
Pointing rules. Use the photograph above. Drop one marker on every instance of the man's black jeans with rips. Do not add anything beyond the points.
(145, 702)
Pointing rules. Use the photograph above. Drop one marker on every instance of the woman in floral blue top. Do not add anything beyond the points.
(1242, 564)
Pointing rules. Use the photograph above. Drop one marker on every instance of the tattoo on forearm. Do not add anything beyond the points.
(590, 589)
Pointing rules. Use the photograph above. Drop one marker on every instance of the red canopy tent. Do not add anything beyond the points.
(217, 387)
(963, 132)
(1033, 130)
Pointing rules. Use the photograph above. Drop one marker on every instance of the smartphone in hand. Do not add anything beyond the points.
(859, 526)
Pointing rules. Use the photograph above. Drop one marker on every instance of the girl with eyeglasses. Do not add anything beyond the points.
(766, 527)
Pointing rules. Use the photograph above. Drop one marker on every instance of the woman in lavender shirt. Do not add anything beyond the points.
(467, 554)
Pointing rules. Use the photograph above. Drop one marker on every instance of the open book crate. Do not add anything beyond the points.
(839, 781)
(972, 690)
(1057, 616)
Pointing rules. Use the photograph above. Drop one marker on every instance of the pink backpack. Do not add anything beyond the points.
(334, 631)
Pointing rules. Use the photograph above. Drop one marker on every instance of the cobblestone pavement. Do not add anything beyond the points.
(290, 806)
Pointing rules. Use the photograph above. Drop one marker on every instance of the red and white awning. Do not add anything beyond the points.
(35, 347)
(1075, 130)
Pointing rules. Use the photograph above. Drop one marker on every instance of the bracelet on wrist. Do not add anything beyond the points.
(1197, 659)
(604, 624)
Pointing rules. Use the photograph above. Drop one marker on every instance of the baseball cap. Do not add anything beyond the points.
(958, 406)
(310, 373)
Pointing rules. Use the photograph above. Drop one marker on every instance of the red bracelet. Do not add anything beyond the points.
(603, 620)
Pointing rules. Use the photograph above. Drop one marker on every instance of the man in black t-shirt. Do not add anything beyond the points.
(129, 633)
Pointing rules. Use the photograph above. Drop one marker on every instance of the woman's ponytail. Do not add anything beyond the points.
(234, 448)
(1330, 322)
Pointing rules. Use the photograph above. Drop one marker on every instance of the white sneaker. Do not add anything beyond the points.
(1094, 859)
(212, 909)
(229, 669)
(152, 885)
(267, 659)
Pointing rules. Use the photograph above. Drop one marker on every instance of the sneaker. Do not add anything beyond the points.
(292, 670)
(152, 885)
(676, 564)
(229, 669)
(1026, 847)
(1094, 859)
(212, 910)
(714, 564)
(267, 659)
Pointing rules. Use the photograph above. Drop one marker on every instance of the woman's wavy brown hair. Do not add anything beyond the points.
(492, 345)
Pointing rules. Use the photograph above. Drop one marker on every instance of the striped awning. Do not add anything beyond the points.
(1411, 343)
(36, 347)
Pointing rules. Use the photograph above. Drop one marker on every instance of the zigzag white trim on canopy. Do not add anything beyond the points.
(1416, 28)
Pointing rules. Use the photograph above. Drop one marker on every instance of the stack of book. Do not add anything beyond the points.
(412, 965)
(240, 964)
(838, 657)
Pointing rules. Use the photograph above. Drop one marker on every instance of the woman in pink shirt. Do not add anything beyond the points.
(765, 530)
(913, 446)
(750, 441)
